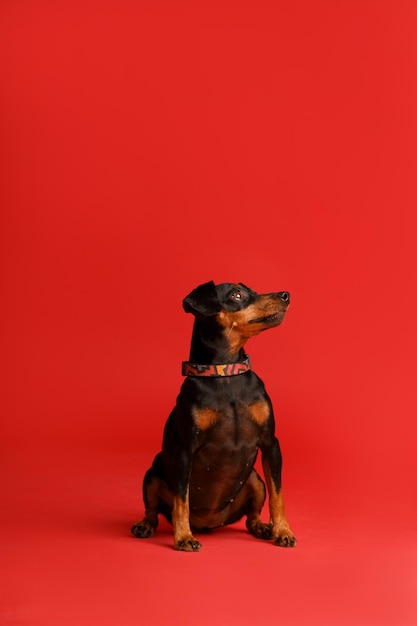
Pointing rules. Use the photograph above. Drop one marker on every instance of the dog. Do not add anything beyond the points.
(204, 478)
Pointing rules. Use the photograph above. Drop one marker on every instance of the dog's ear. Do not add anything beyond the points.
(203, 300)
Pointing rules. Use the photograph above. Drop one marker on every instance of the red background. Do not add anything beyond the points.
(148, 147)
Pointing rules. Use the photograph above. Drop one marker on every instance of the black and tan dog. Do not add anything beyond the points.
(205, 477)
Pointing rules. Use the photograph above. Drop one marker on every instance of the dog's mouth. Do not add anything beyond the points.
(274, 318)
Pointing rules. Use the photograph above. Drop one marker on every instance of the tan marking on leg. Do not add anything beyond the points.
(183, 538)
(204, 418)
(281, 532)
(259, 412)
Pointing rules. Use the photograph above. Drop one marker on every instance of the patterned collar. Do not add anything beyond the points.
(216, 370)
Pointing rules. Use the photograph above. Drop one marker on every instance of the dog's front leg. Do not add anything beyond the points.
(272, 466)
(183, 538)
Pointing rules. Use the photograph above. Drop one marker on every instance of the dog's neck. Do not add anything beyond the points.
(209, 344)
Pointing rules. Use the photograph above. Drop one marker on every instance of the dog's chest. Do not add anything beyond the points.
(226, 437)
(237, 420)
(223, 459)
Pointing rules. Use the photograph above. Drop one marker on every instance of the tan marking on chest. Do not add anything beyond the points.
(259, 412)
(204, 418)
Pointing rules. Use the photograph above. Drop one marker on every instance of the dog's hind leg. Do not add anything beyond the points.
(155, 496)
(255, 502)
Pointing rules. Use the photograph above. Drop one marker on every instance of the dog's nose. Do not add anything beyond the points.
(284, 296)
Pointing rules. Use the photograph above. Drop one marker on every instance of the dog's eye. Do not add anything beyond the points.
(237, 295)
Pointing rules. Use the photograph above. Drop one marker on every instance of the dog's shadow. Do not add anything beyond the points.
(118, 528)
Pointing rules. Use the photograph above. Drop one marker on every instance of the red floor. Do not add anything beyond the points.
(71, 560)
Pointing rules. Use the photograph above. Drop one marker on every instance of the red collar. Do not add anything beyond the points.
(226, 369)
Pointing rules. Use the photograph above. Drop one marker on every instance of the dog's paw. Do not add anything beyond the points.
(143, 529)
(260, 530)
(284, 539)
(188, 544)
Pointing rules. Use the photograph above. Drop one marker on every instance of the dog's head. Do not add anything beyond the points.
(238, 310)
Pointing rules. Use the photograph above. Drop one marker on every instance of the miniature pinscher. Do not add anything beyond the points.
(204, 477)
